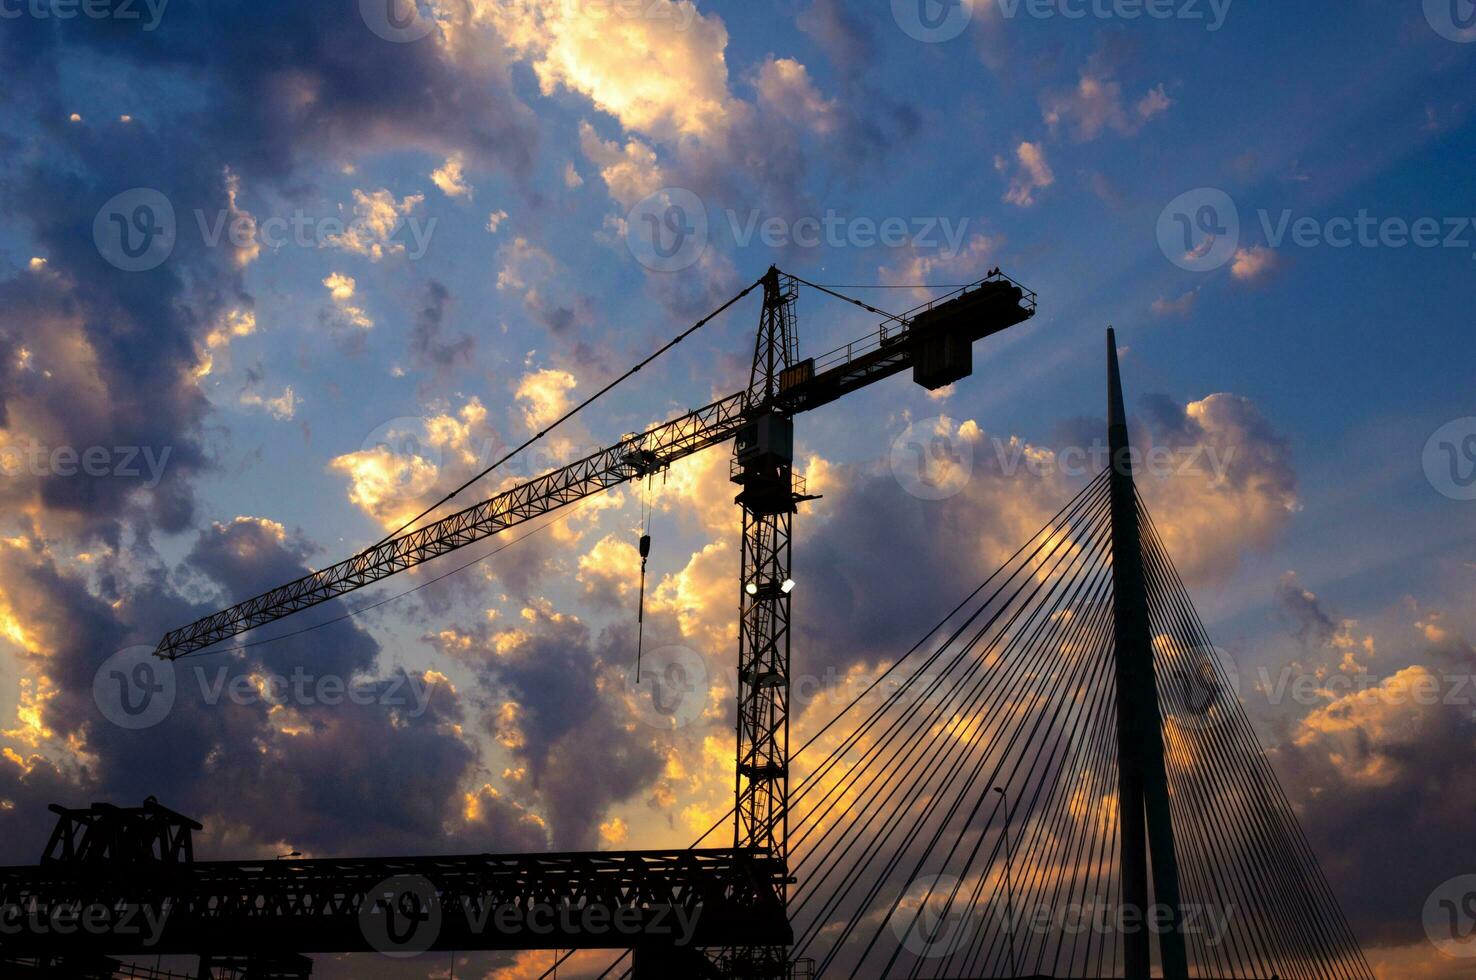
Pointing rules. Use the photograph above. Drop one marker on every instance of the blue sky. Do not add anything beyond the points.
(501, 164)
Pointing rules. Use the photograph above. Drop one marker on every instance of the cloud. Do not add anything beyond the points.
(377, 219)
(531, 271)
(786, 91)
(429, 344)
(1254, 263)
(282, 407)
(662, 72)
(394, 479)
(942, 267)
(258, 771)
(630, 172)
(1096, 105)
(845, 38)
(1371, 770)
(449, 177)
(1175, 308)
(553, 705)
(1208, 515)
(244, 244)
(341, 289)
(1032, 174)
(1304, 610)
(544, 396)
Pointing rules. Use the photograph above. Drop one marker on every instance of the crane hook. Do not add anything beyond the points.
(641, 611)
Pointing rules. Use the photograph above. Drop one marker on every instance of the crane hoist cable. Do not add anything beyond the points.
(648, 510)
(572, 412)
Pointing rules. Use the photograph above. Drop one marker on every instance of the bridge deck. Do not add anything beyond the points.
(597, 900)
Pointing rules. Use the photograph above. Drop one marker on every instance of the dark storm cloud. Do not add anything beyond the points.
(1371, 777)
(91, 355)
(248, 557)
(581, 755)
(847, 40)
(428, 343)
(1304, 611)
(280, 80)
(381, 771)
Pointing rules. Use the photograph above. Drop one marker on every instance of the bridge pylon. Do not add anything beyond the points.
(1145, 822)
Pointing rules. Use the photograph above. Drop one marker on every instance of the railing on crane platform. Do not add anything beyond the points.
(894, 328)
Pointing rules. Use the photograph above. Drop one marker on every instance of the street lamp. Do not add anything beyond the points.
(1009, 887)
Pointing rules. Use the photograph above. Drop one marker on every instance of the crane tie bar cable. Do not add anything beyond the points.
(572, 412)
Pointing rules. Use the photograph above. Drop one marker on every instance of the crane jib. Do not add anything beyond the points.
(934, 340)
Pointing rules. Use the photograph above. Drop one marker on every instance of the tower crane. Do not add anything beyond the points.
(935, 340)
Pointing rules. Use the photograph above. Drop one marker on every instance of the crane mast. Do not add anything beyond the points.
(763, 458)
(935, 340)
